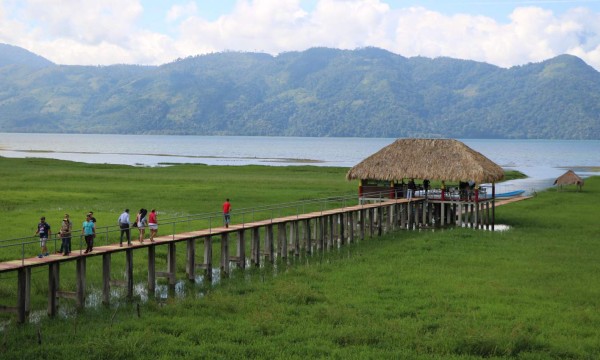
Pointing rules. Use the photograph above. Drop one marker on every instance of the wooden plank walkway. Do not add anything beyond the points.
(288, 234)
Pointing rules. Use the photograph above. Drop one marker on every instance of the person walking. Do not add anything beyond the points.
(411, 189)
(89, 232)
(226, 212)
(141, 222)
(124, 225)
(152, 224)
(43, 230)
(65, 234)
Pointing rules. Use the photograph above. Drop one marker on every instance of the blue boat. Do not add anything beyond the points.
(509, 194)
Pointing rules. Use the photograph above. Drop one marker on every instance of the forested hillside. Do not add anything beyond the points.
(318, 92)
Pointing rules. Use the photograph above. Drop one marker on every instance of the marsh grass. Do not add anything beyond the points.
(527, 293)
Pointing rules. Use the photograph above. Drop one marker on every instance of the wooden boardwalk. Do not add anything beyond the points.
(281, 237)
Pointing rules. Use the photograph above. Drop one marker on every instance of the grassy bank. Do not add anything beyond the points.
(528, 293)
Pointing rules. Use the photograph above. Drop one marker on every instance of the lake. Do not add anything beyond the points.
(541, 160)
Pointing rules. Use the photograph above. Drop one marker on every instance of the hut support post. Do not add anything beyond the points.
(493, 205)
(371, 215)
(351, 222)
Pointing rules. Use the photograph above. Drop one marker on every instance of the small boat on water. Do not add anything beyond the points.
(506, 195)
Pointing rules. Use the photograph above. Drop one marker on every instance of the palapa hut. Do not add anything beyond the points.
(438, 159)
(569, 178)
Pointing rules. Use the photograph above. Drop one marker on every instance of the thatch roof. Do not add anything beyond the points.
(436, 159)
(568, 178)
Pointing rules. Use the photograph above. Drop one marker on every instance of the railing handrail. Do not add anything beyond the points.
(298, 205)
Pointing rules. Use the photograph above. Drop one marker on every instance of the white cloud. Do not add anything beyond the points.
(176, 12)
(108, 31)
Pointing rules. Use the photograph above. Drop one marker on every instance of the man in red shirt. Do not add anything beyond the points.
(226, 210)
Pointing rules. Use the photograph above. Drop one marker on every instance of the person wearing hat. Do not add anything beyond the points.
(88, 230)
(65, 235)
(124, 224)
(43, 230)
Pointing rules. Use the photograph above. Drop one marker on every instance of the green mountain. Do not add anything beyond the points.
(318, 92)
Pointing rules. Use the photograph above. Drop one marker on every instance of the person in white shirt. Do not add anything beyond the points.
(124, 224)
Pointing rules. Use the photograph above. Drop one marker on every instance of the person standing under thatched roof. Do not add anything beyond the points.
(411, 189)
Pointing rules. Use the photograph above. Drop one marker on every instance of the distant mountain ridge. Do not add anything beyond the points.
(366, 92)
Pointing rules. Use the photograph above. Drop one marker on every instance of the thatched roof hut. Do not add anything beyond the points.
(569, 178)
(439, 159)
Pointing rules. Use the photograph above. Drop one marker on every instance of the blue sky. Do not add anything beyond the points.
(101, 32)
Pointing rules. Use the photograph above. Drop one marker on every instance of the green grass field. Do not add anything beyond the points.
(528, 293)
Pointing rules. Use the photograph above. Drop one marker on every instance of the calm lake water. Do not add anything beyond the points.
(541, 160)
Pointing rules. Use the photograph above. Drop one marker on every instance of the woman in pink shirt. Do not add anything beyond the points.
(152, 224)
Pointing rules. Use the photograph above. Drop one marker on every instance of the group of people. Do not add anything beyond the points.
(142, 221)
(410, 188)
(44, 231)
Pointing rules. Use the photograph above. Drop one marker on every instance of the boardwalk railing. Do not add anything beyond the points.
(28, 246)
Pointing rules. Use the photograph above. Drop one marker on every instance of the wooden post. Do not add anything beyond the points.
(371, 222)
(282, 240)
(443, 213)
(320, 233)
(255, 247)
(294, 238)
(493, 205)
(190, 266)
(53, 284)
(129, 272)
(361, 223)
(487, 215)
(151, 269)
(224, 254)
(351, 216)
(208, 258)
(409, 215)
(269, 246)
(241, 249)
(307, 237)
(171, 263)
(80, 282)
(22, 299)
(340, 219)
(331, 237)
(106, 278)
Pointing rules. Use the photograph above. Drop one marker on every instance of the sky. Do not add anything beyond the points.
(152, 32)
